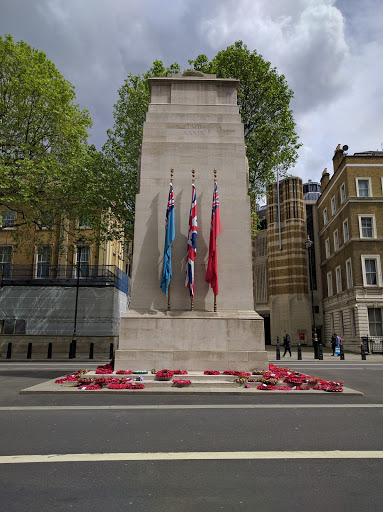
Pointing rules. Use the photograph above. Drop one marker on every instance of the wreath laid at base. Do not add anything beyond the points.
(164, 375)
(181, 383)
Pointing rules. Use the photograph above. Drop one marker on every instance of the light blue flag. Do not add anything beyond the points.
(169, 237)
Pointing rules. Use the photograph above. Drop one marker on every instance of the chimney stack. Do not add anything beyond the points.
(338, 157)
(324, 180)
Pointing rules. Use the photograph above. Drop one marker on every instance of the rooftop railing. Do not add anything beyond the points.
(45, 274)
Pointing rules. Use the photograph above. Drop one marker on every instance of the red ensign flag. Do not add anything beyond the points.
(215, 229)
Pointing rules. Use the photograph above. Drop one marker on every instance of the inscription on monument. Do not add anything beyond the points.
(195, 130)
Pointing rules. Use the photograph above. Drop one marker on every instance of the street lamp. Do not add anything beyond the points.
(79, 247)
(309, 246)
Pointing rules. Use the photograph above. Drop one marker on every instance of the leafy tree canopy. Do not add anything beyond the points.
(264, 102)
(47, 169)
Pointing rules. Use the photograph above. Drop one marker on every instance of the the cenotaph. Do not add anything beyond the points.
(193, 122)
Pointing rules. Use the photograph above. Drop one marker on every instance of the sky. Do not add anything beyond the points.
(330, 51)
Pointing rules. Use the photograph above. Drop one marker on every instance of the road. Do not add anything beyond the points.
(192, 453)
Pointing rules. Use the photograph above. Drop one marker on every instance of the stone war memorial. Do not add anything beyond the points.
(193, 124)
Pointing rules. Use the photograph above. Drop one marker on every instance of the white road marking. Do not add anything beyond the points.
(186, 406)
(110, 457)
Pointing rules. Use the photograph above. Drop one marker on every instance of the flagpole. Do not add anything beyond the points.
(169, 305)
(192, 297)
(215, 296)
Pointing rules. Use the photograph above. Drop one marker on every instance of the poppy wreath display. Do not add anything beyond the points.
(117, 386)
(180, 372)
(259, 372)
(270, 381)
(164, 375)
(181, 382)
(284, 388)
(133, 385)
(124, 372)
(91, 387)
(266, 387)
(211, 372)
(107, 368)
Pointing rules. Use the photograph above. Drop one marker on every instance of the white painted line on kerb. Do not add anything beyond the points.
(111, 457)
(187, 406)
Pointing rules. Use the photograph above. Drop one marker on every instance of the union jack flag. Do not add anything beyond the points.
(192, 246)
(215, 229)
(169, 237)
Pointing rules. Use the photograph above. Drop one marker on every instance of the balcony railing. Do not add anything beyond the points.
(44, 274)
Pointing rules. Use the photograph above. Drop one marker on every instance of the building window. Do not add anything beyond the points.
(7, 219)
(294, 186)
(367, 227)
(82, 260)
(349, 273)
(342, 193)
(371, 270)
(329, 284)
(43, 260)
(83, 224)
(5, 260)
(363, 187)
(333, 205)
(336, 241)
(46, 220)
(325, 216)
(346, 234)
(375, 321)
(327, 247)
(338, 278)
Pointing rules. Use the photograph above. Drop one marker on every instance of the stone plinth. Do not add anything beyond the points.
(192, 123)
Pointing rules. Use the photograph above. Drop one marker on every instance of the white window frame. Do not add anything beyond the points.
(84, 262)
(346, 231)
(349, 278)
(342, 193)
(6, 260)
(325, 216)
(373, 225)
(11, 218)
(375, 257)
(329, 284)
(380, 323)
(336, 240)
(327, 248)
(333, 205)
(369, 186)
(40, 262)
(338, 279)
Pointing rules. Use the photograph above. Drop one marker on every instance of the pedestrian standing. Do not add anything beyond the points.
(333, 343)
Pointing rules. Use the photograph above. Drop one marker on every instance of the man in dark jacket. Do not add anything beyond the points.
(287, 344)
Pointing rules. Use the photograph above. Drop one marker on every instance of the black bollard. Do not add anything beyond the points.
(74, 346)
(363, 351)
(278, 351)
(299, 352)
(49, 356)
(91, 348)
(341, 352)
(9, 351)
(111, 351)
(29, 353)
(70, 350)
(320, 352)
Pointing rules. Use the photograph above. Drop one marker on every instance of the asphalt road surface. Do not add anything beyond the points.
(194, 453)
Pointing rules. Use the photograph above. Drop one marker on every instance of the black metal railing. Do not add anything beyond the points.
(65, 275)
(373, 344)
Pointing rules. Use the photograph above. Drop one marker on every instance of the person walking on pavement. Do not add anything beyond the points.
(333, 343)
(287, 344)
(338, 341)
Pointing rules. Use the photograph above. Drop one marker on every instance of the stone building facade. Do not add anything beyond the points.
(350, 212)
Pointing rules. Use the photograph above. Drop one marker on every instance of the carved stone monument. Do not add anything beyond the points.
(193, 122)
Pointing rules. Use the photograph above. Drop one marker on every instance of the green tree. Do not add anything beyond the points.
(47, 169)
(264, 104)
